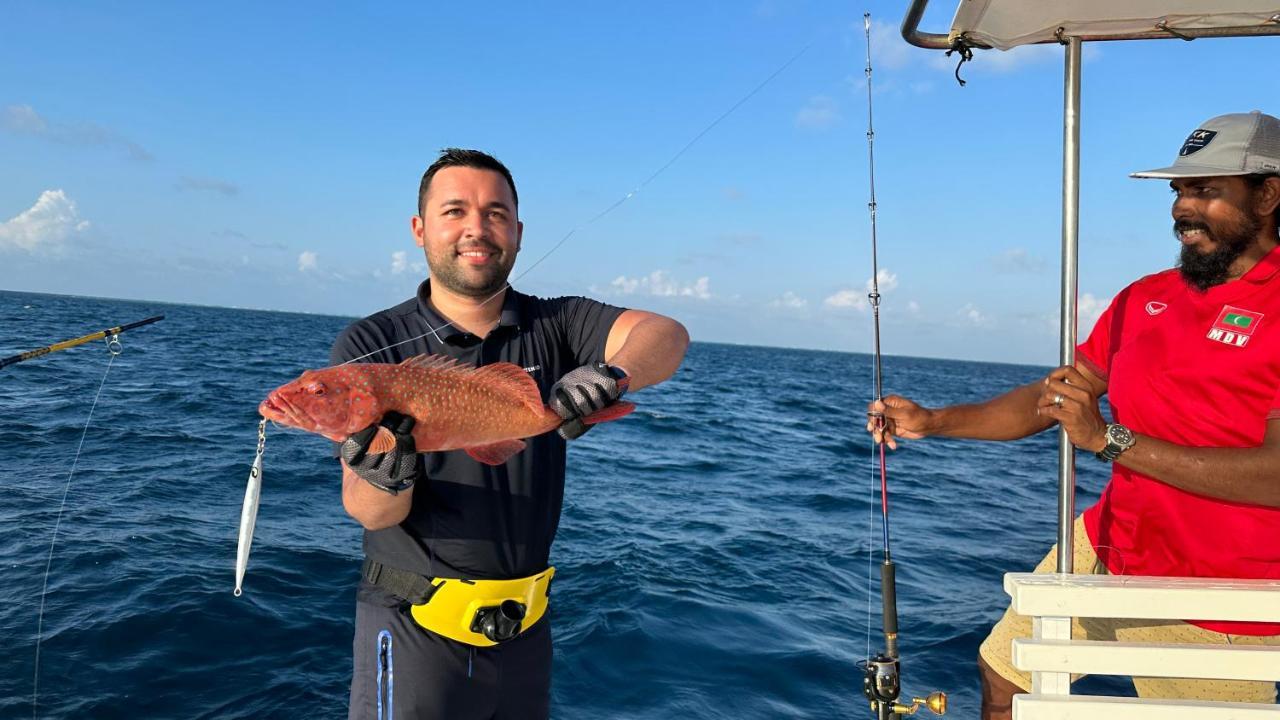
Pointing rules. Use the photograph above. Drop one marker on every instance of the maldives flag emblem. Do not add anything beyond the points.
(1234, 326)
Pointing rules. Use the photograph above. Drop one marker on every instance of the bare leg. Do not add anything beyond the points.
(997, 693)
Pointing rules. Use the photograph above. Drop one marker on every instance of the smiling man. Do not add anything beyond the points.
(1190, 359)
(451, 610)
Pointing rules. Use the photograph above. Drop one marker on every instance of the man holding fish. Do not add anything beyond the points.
(1190, 359)
(447, 456)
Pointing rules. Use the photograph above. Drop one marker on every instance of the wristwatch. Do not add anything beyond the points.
(1119, 438)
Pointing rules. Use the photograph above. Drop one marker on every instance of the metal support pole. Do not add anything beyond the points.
(1070, 262)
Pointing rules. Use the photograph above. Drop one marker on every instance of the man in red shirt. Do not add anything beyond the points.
(1190, 358)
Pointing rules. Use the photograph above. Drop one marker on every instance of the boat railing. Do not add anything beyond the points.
(1052, 656)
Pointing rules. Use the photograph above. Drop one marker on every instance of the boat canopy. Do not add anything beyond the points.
(1007, 24)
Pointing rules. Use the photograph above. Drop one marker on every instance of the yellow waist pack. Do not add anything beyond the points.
(482, 613)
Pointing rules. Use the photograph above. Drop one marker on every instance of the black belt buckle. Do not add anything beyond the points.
(499, 623)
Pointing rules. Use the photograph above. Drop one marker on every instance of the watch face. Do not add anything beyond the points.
(1119, 435)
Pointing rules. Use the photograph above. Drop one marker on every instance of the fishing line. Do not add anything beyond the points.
(113, 347)
(619, 202)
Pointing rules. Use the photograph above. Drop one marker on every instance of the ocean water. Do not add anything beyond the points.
(713, 559)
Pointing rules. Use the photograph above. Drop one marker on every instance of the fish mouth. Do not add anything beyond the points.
(277, 409)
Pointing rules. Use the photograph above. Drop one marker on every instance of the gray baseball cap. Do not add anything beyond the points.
(1236, 144)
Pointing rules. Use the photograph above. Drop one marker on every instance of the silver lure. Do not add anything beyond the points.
(249, 511)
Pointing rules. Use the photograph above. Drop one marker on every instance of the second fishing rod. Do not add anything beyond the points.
(882, 672)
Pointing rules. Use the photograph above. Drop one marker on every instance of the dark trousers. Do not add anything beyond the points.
(402, 672)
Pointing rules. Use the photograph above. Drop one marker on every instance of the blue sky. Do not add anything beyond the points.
(267, 155)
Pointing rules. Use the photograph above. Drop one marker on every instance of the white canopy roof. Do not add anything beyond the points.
(1006, 24)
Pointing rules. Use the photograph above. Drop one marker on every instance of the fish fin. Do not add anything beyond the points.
(513, 380)
(622, 408)
(383, 441)
(495, 453)
(435, 362)
(505, 377)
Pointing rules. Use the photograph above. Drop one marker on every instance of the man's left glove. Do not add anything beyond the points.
(583, 391)
(392, 471)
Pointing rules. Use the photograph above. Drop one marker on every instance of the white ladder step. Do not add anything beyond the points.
(1216, 662)
(1151, 598)
(1085, 707)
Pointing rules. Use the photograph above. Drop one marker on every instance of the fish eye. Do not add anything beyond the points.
(316, 388)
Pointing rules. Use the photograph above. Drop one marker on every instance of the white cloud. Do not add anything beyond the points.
(400, 264)
(888, 49)
(1088, 310)
(819, 113)
(913, 307)
(1017, 261)
(43, 226)
(222, 187)
(789, 300)
(661, 284)
(970, 314)
(307, 261)
(847, 298)
(858, 299)
(888, 281)
(24, 120)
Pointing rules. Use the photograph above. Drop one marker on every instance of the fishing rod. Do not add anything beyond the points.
(108, 333)
(881, 682)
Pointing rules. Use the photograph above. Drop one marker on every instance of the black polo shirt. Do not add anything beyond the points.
(469, 519)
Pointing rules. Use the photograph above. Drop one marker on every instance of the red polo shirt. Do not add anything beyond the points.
(1200, 370)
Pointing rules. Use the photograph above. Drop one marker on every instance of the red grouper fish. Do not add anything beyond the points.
(485, 411)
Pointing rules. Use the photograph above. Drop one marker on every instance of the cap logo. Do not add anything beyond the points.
(1196, 142)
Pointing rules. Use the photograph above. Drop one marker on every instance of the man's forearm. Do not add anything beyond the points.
(373, 508)
(1006, 417)
(652, 352)
(1244, 475)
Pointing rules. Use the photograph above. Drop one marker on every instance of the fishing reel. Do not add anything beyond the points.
(880, 683)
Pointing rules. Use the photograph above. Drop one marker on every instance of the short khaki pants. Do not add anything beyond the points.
(996, 650)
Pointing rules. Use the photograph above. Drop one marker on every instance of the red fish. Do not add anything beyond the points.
(485, 411)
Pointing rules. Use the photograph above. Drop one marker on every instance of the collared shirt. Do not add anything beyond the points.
(468, 519)
(1198, 369)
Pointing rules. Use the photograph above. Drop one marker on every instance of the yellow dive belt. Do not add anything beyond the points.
(482, 613)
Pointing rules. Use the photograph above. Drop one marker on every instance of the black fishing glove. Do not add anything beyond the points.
(583, 391)
(393, 471)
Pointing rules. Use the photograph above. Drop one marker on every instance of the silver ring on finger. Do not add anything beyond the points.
(1057, 399)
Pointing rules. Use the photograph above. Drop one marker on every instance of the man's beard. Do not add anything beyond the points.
(1203, 270)
(450, 273)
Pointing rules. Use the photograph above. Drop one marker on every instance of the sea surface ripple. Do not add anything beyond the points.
(715, 559)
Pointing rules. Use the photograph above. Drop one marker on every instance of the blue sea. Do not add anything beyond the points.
(714, 559)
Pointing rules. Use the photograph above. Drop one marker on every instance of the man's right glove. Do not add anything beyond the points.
(584, 391)
(392, 471)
